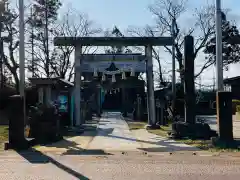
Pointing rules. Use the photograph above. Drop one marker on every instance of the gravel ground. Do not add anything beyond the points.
(118, 166)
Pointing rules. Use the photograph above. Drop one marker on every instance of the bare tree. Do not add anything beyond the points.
(151, 31)
(75, 25)
(11, 42)
(202, 27)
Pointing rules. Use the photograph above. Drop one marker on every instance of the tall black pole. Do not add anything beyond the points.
(46, 39)
(189, 86)
(1, 53)
(1, 43)
(173, 68)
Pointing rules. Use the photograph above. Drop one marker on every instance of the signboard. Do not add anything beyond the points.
(101, 62)
(63, 103)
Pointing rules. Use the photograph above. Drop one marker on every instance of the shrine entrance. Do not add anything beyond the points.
(117, 78)
(112, 101)
(102, 73)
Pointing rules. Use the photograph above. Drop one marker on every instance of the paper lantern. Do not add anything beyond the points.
(113, 78)
(95, 74)
(103, 77)
(123, 75)
(132, 72)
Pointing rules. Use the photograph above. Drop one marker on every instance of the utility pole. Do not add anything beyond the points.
(2, 10)
(173, 66)
(21, 47)
(219, 58)
(46, 39)
(32, 43)
(22, 56)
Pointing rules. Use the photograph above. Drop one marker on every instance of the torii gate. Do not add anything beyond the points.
(147, 42)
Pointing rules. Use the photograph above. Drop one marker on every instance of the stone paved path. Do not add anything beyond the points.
(114, 135)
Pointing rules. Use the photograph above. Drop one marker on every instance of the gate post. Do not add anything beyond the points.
(150, 88)
(224, 116)
(78, 53)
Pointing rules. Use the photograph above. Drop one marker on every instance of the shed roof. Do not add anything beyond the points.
(50, 81)
(232, 80)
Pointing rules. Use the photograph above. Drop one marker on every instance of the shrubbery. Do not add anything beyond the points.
(238, 108)
(236, 105)
(236, 101)
(44, 123)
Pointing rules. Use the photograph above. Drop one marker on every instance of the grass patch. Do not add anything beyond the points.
(3, 136)
(207, 145)
(163, 131)
(201, 144)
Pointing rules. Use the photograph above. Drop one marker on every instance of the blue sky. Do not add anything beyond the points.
(125, 13)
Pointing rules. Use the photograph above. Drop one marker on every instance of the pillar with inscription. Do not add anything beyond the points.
(189, 85)
(224, 121)
(190, 128)
(16, 124)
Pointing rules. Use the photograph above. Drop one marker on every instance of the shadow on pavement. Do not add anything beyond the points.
(91, 152)
(164, 144)
(167, 144)
(34, 156)
(72, 148)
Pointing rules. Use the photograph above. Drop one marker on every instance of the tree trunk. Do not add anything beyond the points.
(180, 64)
(16, 79)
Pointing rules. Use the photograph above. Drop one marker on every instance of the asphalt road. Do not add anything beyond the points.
(212, 121)
(119, 167)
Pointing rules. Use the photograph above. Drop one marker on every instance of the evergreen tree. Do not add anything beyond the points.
(231, 51)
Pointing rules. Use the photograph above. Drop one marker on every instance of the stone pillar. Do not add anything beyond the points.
(48, 96)
(139, 107)
(158, 111)
(78, 53)
(16, 123)
(150, 87)
(124, 102)
(40, 95)
(99, 101)
(224, 116)
(189, 86)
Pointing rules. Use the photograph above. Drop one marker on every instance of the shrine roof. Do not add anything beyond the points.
(50, 81)
(232, 80)
(111, 41)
